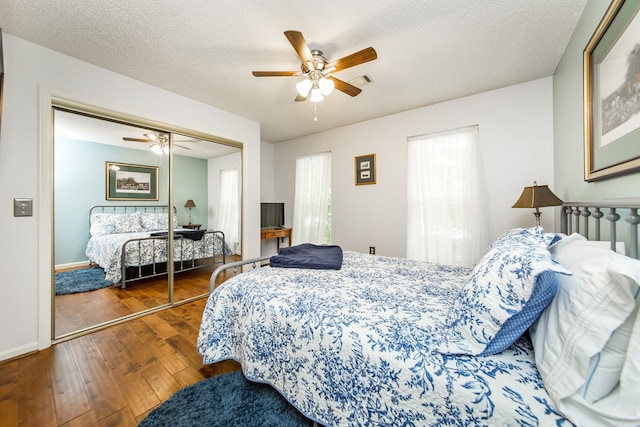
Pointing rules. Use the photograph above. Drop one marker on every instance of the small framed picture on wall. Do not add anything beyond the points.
(366, 169)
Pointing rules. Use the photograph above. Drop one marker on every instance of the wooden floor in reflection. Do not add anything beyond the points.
(75, 312)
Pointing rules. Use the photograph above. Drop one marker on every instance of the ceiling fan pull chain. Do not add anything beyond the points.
(315, 111)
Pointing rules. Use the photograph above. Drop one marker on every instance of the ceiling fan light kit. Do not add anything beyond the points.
(318, 87)
(316, 70)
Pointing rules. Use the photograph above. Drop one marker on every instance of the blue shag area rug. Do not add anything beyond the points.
(81, 280)
(226, 400)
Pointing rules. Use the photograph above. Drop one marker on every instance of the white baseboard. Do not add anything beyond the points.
(18, 351)
(72, 265)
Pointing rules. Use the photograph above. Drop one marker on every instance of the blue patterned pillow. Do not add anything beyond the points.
(101, 224)
(507, 290)
(157, 221)
(534, 234)
(127, 223)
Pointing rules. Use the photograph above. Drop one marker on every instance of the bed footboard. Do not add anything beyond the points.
(621, 215)
(255, 263)
(145, 257)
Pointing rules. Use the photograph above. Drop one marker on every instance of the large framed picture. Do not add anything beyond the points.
(131, 182)
(366, 169)
(612, 94)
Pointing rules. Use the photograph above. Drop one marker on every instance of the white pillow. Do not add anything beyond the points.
(577, 326)
(620, 247)
(588, 307)
(606, 366)
(620, 407)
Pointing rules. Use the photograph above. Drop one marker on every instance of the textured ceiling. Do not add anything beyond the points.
(429, 51)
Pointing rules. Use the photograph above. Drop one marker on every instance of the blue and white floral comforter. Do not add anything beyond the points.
(353, 347)
(106, 250)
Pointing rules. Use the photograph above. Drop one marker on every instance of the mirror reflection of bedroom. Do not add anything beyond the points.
(112, 183)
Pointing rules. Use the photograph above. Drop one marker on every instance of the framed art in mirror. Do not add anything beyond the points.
(131, 182)
(612, 94)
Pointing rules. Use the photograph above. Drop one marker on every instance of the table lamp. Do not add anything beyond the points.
(189, 205)
(537, 196)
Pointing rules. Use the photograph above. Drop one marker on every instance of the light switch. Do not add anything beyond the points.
(22, 207)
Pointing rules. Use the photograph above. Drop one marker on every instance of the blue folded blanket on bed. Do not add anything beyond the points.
(308, 255)
(189, 234)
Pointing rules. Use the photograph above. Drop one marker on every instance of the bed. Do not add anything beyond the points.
(525, 337)
(130, 243)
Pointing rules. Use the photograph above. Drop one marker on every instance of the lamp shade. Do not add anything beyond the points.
(316, 95)
(537, 196)
(189, 204)
(326, 86)
(304, 87)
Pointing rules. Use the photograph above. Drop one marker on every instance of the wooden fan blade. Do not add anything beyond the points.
(300, 98)
(274, 73)
(365, 55)
(299, 45)
(345, 87)
(136, 139)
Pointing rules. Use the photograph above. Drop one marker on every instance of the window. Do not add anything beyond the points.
(228, 219)
(447, 221)
(312, 200)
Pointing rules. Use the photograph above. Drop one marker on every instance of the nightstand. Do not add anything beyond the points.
(192, 226)
(275, 233)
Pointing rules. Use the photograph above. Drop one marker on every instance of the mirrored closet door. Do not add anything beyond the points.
(119, 248)
(206, 193)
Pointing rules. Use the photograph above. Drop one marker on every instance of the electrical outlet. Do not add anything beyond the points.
(372, 250)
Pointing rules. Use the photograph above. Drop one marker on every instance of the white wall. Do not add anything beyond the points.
(516, 138)
(32, 76)
(267, 165)
(267, 191)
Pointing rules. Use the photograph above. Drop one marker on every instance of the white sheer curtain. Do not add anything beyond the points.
(228, 219)
(311, 205)
(447, 220)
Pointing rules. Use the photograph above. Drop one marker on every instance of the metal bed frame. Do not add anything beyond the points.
(591, 213)
(255, 263)
(139, 272)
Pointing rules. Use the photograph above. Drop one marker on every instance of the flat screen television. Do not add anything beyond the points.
(271, 215)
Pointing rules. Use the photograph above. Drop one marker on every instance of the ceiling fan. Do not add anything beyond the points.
(160, 142)
(317, 70)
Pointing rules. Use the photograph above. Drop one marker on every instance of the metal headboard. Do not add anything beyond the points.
(116, 209)
(586, 218)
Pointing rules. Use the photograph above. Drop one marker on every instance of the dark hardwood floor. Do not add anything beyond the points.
(111, 377)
